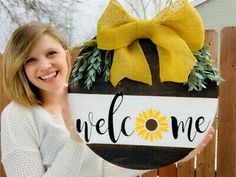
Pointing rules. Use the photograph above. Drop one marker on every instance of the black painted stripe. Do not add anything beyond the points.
(129, 87)
(139, 157)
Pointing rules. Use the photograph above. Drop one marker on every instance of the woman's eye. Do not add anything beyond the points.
(31, 60)
(51, 53)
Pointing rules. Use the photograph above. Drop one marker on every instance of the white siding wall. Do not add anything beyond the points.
(217, 14)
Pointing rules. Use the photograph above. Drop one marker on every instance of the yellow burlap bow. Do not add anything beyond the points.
(176, 31)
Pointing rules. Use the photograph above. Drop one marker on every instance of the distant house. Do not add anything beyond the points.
(216, 14)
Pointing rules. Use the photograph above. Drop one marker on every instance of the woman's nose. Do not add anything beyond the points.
(45, 63)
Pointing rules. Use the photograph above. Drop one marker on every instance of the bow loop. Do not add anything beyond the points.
(113, 16)
(185, 21)
(176, 31)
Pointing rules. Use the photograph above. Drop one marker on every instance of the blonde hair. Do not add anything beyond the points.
(15, 82)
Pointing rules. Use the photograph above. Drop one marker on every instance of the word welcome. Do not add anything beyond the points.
(191, 127)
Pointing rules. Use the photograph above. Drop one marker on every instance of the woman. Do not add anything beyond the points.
(38, 136)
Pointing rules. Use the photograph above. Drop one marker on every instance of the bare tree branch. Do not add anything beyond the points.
(12, 16)
(147, 4)
(144, 9)
(168, 2)
(157, 5)
(131, 4)
(142, 12)
(58, 13)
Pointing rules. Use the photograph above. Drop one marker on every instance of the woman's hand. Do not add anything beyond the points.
(200, 147)
(67, 115)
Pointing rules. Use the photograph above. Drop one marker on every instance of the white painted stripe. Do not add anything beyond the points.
(98, 105)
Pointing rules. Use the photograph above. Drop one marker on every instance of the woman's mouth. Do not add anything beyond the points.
(49, 76)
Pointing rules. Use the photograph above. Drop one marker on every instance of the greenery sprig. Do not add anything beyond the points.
(90, 63)
(203, 71)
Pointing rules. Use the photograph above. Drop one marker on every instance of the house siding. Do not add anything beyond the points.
(217, 14)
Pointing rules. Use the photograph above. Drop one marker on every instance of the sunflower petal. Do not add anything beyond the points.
(162, 118)
(163, 129)
(158, 133)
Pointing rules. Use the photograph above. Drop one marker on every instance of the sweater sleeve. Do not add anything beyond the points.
(20, 149)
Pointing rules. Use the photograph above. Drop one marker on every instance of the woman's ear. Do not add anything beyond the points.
(69, 58)
(73, 55)
(69, 63)
(68, 54)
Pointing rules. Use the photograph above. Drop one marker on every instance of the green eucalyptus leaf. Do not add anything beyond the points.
(80, 76)
(91, 72)
(93, 59)
(96, 53)
(202, 70)
(82, 68)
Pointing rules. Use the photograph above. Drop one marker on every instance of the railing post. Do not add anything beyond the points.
(206, 159)
(226, 166)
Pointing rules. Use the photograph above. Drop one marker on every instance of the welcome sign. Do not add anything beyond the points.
(138, 126)
(135, 120)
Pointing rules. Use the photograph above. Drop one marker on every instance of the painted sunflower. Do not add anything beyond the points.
(150, 125)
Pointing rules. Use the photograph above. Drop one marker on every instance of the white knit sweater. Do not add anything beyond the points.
(35, 143)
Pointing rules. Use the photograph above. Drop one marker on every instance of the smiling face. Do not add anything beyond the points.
(46, 65)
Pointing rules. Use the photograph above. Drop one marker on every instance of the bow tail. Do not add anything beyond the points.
(175, 58)
(130, 62)
(177, 65)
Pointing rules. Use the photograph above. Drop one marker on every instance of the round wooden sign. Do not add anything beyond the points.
(138, 126)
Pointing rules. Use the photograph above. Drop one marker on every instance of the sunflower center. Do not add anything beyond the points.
(151, 124)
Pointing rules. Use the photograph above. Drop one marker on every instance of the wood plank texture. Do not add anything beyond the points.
(152, 173)
(186, 169)
(206, 159)
(211, 37)
(168, 171)
(227, 105)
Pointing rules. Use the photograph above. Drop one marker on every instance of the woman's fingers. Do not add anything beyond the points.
(206, 139)
(65, 111)
(201, 146)
(65, 107)
(64, 96)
